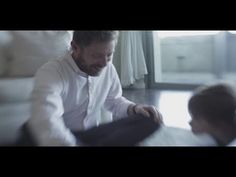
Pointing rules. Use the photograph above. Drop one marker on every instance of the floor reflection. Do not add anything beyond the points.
(172, 104)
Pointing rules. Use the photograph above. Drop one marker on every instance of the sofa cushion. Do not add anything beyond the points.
(16, 89)
(12, 118)
(2, 63)
(31, 49)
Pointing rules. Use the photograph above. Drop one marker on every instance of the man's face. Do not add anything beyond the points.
(94, 58)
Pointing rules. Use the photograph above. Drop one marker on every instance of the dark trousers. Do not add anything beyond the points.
(26, 138)
(123, 132)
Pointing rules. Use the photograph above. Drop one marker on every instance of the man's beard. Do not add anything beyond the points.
(93, 70)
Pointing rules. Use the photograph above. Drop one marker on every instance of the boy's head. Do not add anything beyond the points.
(212, 106)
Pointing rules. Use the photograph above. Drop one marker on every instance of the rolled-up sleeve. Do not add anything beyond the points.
(46, 122)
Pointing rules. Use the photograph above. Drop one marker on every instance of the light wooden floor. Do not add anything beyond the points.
(172, 104)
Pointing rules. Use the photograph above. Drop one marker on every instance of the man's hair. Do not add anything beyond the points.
(85, 38)
(215, 103)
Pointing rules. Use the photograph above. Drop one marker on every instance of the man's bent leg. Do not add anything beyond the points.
(124, 132)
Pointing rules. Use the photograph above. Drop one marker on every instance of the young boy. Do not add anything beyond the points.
(212, 109)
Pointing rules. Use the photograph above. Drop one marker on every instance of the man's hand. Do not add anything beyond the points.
(147, 111)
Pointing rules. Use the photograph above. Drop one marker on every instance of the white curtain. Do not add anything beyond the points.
(129, 58)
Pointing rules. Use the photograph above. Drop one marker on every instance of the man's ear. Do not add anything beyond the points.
(75, 47)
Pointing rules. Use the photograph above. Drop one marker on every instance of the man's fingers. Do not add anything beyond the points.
(149, 111)
(144, 112)
(155, 114)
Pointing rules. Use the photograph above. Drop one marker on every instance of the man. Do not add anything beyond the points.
(70, 92)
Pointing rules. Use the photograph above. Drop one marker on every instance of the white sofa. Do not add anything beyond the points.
(21, 54)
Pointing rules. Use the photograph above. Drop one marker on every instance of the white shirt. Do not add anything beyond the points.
(65, 98)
